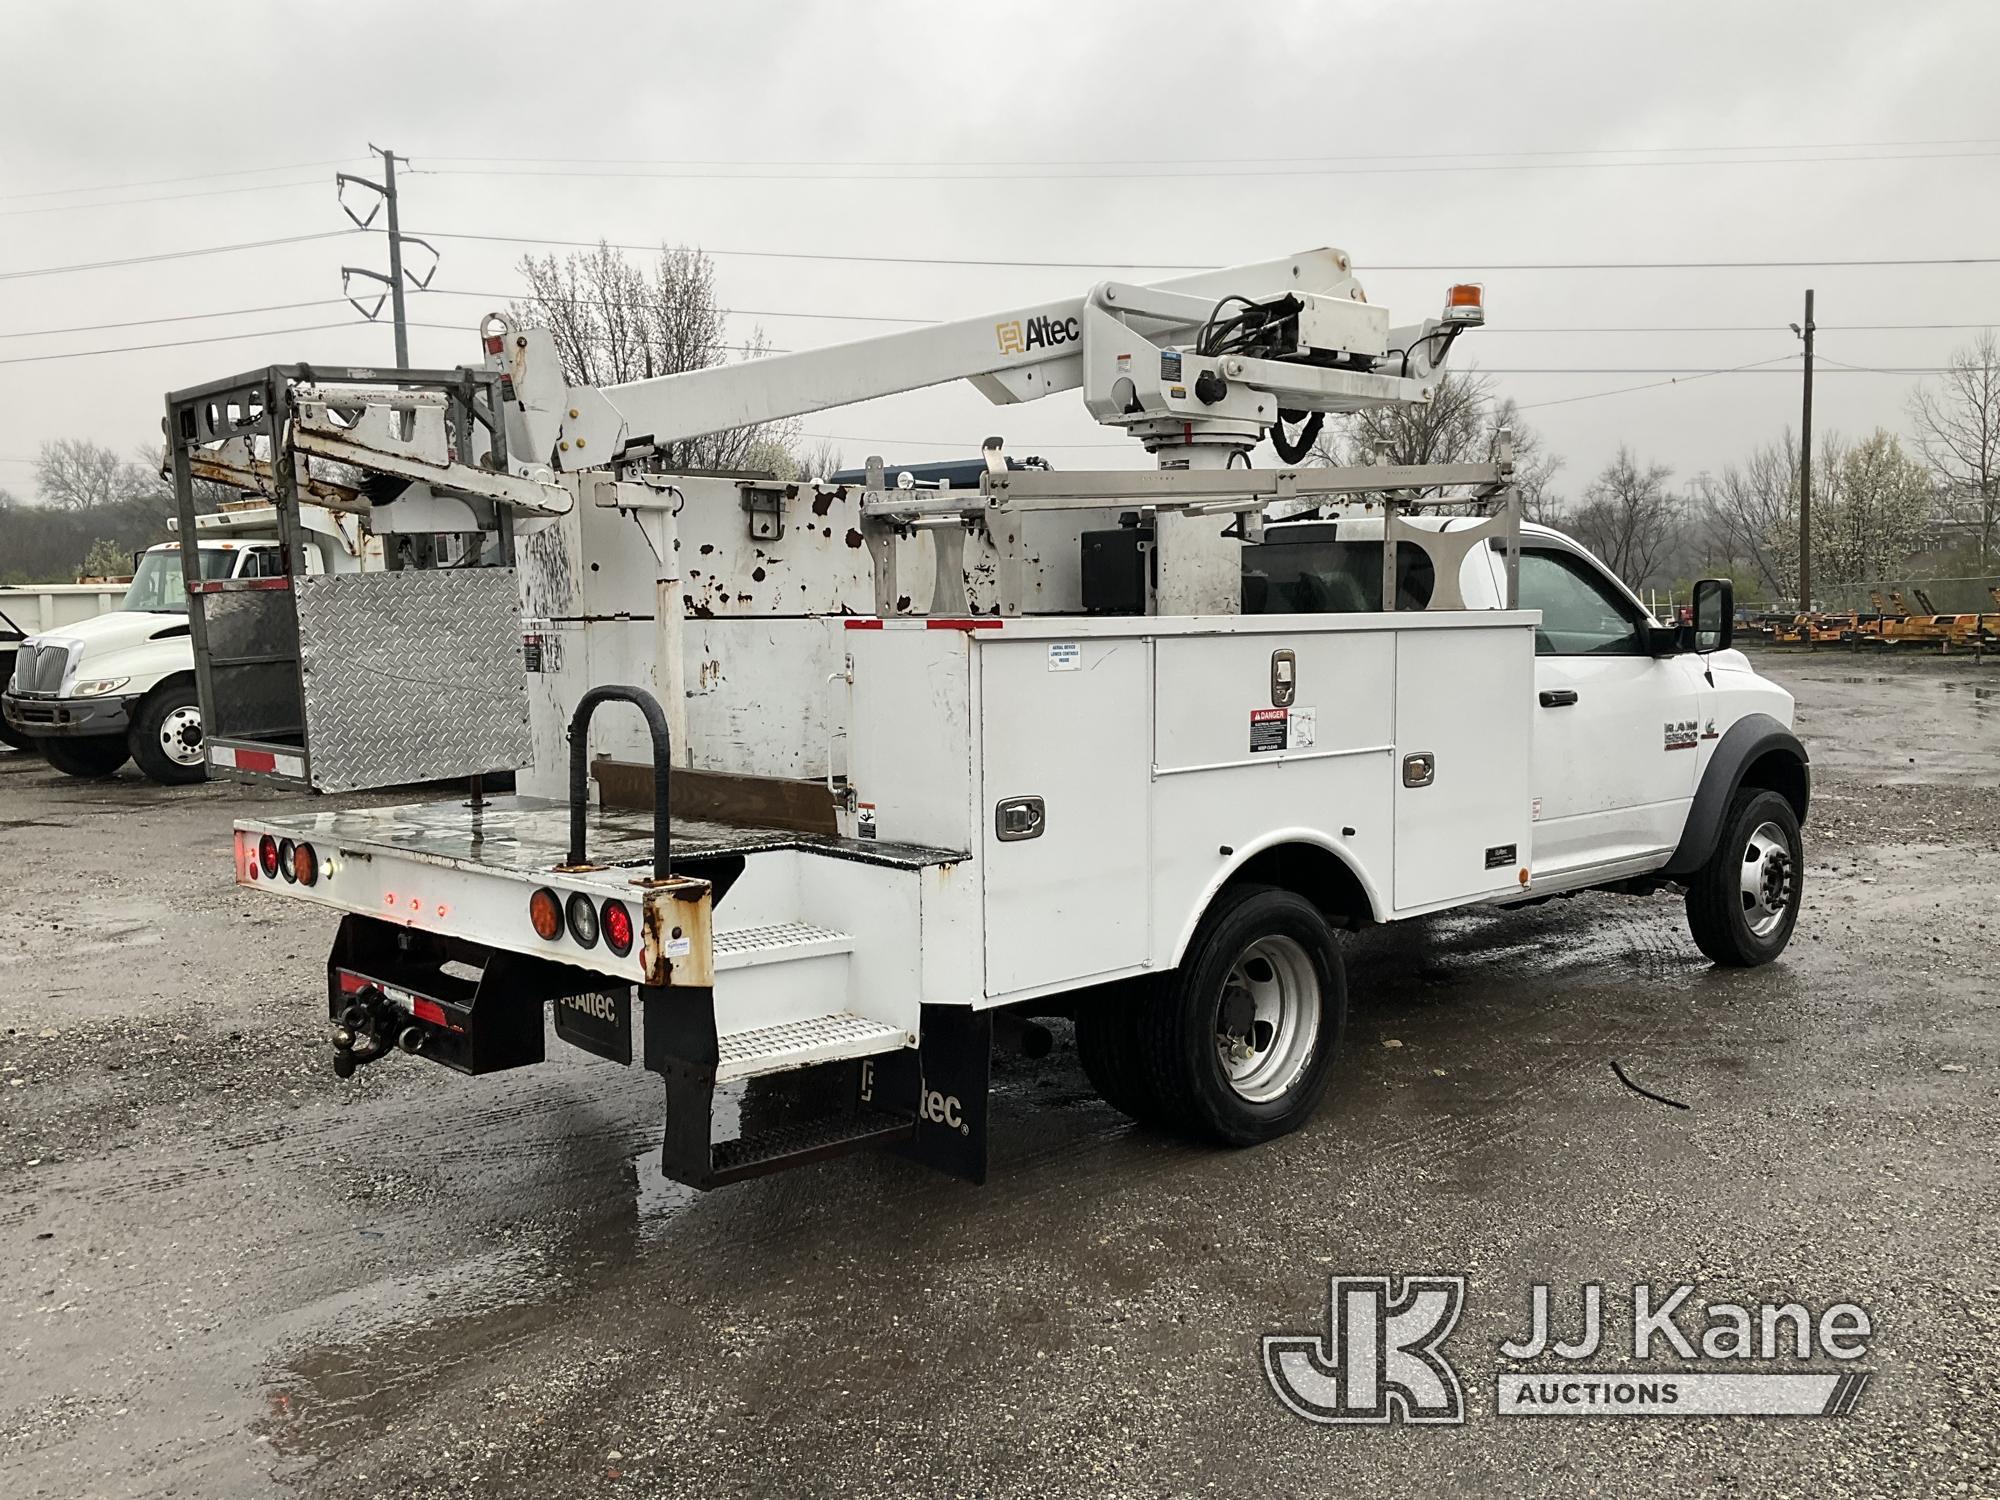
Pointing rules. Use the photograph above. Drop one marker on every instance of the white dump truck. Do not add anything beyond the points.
(96, 691)
(917, 764)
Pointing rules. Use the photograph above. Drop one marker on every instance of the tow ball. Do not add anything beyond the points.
(368, 1029)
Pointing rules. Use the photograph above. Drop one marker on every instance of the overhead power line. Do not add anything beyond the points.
(1226, 160)
(1455, 268)
(141, 260)
(231, 312)
(1176, 174)
(256, 187)
(181, 343)
(113, 187)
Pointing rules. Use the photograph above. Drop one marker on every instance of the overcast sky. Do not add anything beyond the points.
(1473, 136)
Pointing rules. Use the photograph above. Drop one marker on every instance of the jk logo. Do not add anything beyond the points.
(1379, 1360)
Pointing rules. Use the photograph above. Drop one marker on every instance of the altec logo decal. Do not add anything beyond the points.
(1041, 332)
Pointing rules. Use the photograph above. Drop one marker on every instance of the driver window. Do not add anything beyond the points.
(1582, 614)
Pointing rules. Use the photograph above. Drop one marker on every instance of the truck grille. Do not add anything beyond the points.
(39, 669)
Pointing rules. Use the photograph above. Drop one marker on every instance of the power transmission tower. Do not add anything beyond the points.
(385, 192)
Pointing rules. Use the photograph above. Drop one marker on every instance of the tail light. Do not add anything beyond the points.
(286, 855)
(582, 920)
(617, 928)
(545, 911)
(305, 865)
(267, 856)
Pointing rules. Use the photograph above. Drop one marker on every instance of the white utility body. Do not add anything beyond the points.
(921, 764)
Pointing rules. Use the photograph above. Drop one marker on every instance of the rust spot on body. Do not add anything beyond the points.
(853, 537)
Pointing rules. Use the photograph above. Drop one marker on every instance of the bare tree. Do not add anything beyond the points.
(77, 474)
(1628, 517)
(613, 322)
(1460, 424)
(1534, 466)
(1957, 424)
(820, 460)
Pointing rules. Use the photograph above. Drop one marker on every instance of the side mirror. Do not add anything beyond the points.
(1714, 615)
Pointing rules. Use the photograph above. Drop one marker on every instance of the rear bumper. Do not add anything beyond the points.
(49, 718)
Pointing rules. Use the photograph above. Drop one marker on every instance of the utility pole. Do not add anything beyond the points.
(1805, 466)
(385, 192)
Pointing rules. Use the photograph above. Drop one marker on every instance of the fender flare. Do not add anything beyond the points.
(1378, 905)
(1749, 738)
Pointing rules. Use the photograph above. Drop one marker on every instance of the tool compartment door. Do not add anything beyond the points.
(1465, 697)
(1070, 723)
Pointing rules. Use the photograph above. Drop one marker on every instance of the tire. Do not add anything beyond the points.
(11, 736)
(1743, 903)
(92, 758)
(166, 738)
(1110, 1045)
(1261, 956)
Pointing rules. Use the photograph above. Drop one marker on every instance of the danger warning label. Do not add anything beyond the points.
(1269, 729)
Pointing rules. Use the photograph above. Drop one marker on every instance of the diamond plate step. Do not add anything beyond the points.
(796, 1044)
(776, 942)
(811, 1140)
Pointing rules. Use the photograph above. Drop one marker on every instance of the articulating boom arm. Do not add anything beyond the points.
(1210, 360)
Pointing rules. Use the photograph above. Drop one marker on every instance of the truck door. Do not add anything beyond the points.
(1616, 727)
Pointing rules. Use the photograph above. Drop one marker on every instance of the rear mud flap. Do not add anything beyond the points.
(945, 1082)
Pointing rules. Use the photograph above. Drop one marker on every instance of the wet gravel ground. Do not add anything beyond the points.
(223, 1272)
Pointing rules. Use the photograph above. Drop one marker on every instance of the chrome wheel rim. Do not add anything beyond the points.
(1768, 883)
(180, 736)
(1268, 1023)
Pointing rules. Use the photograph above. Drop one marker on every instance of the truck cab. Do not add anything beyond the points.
(1628, 717)
(95, 693)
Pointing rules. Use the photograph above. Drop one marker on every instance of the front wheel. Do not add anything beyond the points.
(91, 758)
(166, 737)
(1743, 903)
(1240, 1040)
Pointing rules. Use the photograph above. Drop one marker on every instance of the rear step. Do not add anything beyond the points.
(804, 1141)
(799, 1044)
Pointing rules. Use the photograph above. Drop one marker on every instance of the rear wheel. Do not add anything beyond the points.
(1743, 903)
(91, 758)
(1110, 1044)
(167, 739)
(1240, 1040)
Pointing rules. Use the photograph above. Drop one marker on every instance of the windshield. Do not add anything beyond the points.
(157, 585)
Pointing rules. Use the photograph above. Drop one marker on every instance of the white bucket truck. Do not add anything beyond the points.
(914, 766)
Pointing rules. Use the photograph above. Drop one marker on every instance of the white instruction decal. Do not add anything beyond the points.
(1064, 656)
(1304, 724)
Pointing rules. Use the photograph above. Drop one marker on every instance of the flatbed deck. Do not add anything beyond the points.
(524, 835)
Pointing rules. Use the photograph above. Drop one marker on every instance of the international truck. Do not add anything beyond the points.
(97, 691)
(895, 771)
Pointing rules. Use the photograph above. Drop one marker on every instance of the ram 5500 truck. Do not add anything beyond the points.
(893, 770)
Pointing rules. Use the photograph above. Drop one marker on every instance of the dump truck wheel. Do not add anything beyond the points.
(92, 758)
(1743, 903)
(1241, 1038)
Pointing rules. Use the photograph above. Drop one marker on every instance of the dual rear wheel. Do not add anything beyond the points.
(1237, 1044)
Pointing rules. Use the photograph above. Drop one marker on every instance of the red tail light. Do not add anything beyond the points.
(267, 855)
(617, 928)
